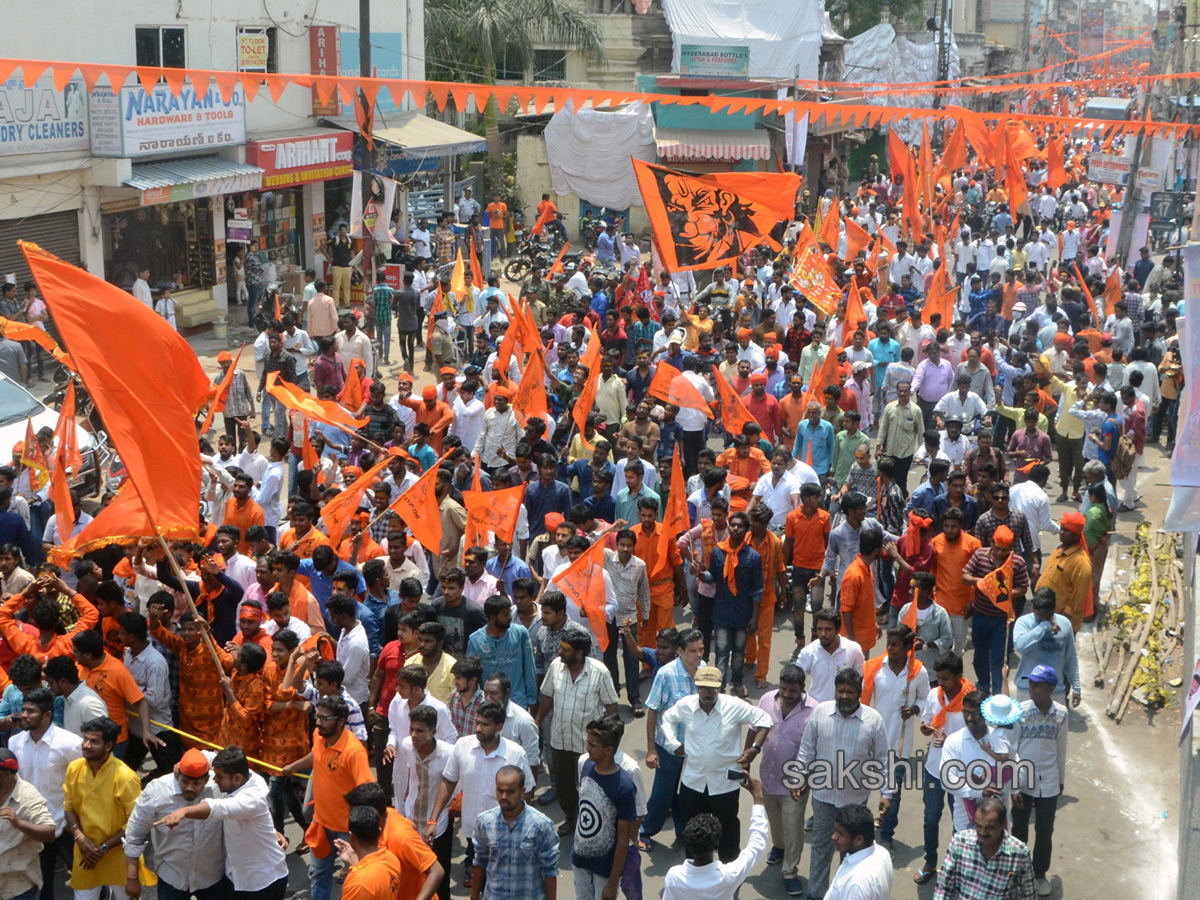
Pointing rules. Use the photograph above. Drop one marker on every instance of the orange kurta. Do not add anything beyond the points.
(243, 721)
(304, 546)
(858, 601)
(758, 644)
(368, 550)
(743, 475)
(243, 517)
(285, 733)
(201, 700)
(60, 645)
(947, 566)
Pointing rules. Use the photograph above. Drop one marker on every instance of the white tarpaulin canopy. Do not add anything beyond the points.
(589, 153)
(784, 39)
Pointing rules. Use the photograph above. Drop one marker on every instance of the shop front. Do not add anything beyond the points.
(163, 206)
(285, 220)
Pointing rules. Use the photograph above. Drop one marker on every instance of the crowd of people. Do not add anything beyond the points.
(182, 705)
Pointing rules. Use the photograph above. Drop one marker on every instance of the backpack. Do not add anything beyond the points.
(1123, 457)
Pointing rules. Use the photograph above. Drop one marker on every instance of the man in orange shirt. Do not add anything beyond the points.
(421, 875)
(667, 585)
(250, 630)
(436, 413)
(805, 537)
(201, 707)
(116, 687)
(497, 216)
(45, 615)
(745, 464)
(304, 605)
(246, 701)
(339, 764)
(791, 409)
(241, 511)
(374, 870)
(951, 550)
(858, 592)
(768, 546)
(302, 538)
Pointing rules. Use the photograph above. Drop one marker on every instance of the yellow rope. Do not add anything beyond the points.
(200, 740)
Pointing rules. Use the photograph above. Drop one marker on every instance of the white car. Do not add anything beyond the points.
(17, 406)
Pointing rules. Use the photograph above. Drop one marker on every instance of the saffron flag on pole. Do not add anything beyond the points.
(1091, 301)
(494, 511)
(813, 280)
(822, 377)
(857, 239)
(734, 415)
(997, 587)
(473, 536)
(670, 386)
(66, 455)
(1112, 293)
(22, 331)
(831, 227)
(146, 398)
(557, 265)
(351, 397)
(309, 460)
(303, 402)
(583, 583)
(419, 509)
(675, 518)
(66, 437)
(222, 393)
(706, 221)
(530, 398)
(33, 458)
(587, 396)
(476, 273)
(337, 513)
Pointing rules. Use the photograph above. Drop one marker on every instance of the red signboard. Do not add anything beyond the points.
(325, 53)
(392, 276)
(298, 160)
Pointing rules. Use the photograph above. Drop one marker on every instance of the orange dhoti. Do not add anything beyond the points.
(662, 612)
(758, 643)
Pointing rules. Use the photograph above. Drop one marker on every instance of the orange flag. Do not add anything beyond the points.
(997, 586)
(822, 377)
(22, 331)
(123, 521)
(476, 272)
(309, 461)
(60, 493)
(734, 415)
(941, 300)
(325, 411)
(418, 507)
(831, 227)
(954, 156)
(675, 517)
(545, 218)
(857, 239)
(557, 265)
(1014, 180)
(669, 386)
(147, 398)
(873, 259)
(494, 511)
(222, 395)
(351, 396)
(813, 279)
(1056, 164)
(337, 513)
(439, 306)
(33, 458)
(530, 398)
(856, 316)
(587, 397)
(583, 582)
(1112, 293)
(66, 438)
(1091, 301)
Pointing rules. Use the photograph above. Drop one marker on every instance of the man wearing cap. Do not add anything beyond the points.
(1045, 638)
(189, 859)
(969, 755)
(25, 826)
(989, 623)
(1068, 571)
(1043, 743)
(712, 745)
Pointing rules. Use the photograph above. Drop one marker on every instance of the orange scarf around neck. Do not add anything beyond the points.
(731, 562)
(955, 705)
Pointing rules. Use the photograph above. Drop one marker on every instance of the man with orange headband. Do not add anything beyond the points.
(1068, 571)
(989, 621)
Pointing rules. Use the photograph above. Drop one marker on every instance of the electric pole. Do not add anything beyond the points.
(365, 142)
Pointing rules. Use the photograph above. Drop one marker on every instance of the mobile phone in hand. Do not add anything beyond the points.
(736, 775)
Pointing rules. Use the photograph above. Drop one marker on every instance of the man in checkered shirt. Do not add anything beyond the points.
(986, 861)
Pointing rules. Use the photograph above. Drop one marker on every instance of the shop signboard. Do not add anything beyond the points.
(714, 61)
(135, 122)
(324, 48)
(208, 187)
(387, 61)
(1091, 30)
(1108, 169)
(42, 119)
(393, 276)
(292, 161)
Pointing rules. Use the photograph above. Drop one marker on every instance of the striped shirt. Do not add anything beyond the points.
(631, 584)
(576, 702)
(858, 737)
(516, 857)
(462, 714)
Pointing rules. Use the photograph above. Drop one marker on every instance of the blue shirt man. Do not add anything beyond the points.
(320, 582)
(884, 351)
(546, 495)
(503, 646)
(820, 436)
(582, 470)
(599, 304)
(509, 570)
(606, 247)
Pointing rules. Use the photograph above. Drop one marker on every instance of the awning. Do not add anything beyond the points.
(418, 135)
(685, 143)
(172, 180)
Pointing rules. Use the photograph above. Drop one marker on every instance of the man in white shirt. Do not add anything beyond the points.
(701, 876)
(411, 684)
(968, 754)
(964, 252)
(240, 568)
(43, 752)
(141, 288)
(80, 703)
(713, 745)
(866, 869)
(268, 492)
(778, 490)
(422, 242)
(353, 649)
(469, 413)
(829, 654)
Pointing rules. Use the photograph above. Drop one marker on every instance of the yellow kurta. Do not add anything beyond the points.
(103, 803)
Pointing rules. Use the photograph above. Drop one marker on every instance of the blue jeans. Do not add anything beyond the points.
(253, 291)
(499, 242)
(731, 653)
(320, 871)
(935, 802)
(383, 330)
(990, 635)
(269, 406)
(887, 825)
(664, 796)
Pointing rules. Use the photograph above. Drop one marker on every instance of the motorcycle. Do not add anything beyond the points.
(590, 229)
(274, 299)
(530, 252)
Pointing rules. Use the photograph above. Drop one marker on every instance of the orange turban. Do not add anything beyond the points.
(1003, 536)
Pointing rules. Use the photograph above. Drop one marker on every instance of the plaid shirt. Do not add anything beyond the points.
(462, 715)
(328, 372)
(671, 684)
(518, 857)
(1136, 310)
(986, 527)
(965, 873)
(379, 528)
